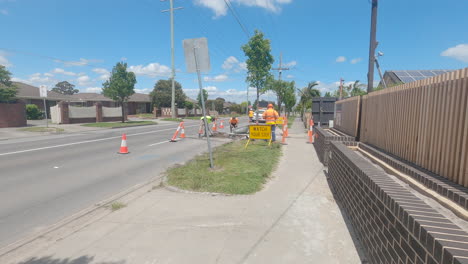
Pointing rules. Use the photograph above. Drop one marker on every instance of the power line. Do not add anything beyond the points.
(228, 3)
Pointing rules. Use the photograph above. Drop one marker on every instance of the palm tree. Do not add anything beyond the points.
(308, 93)
(355, 88)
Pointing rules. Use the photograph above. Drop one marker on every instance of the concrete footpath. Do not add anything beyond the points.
(294, 219)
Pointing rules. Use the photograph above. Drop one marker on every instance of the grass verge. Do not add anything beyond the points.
(237, 170)
(117, 206)
(42, 129)
(172, 119)
(120, 124)
(145, 116)
(193, 117)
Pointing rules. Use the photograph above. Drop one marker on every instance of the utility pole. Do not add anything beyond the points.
(372, 46)
(341, 88)
(280, 69)
(171, 11)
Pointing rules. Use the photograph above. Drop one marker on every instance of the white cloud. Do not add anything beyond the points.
(83, 80)
(37, 79)
(220, 9)
(289, 76)
(81, 62)
(143, 91)
(3, 59)
(233, 64)
(104, 74)
(62, 71)
(151, 70)
(123, 59)
(290, 64)
(93, 90)
(48, 74)
(217, 78)
(340, 59)
(4, 12)
(232, 95)
(356, 60)
(459, 52)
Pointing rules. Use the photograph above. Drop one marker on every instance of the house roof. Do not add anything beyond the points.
(415, 75)
(139, 97)
(95, 97)
(31, 92)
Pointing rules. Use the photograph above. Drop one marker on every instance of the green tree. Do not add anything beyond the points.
(290, 97)
(355, 89)
(307, 94)
(65, 88)
(161, 95)
(328, 94)
(189, 105)
(219, 104)
(7, 90)
(199, 99)
(120, 86)
(258, 52)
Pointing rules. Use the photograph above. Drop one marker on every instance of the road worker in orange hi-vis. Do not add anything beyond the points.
(251, 113)
(270, 116)
(233, 123)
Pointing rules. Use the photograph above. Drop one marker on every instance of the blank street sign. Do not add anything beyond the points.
(203, 57)
(43, 91)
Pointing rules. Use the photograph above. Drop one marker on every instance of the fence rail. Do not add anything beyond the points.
(347, 115)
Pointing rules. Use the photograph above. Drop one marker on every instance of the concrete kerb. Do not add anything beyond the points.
(87, 216)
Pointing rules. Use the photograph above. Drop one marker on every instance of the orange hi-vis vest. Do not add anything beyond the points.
(270, 116)
(233, 121)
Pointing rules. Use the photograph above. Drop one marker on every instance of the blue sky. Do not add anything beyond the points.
(46, 41)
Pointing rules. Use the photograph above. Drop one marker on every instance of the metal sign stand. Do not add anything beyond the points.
(203, 107)
(43, 94)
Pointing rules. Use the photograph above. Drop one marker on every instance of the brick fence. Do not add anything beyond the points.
(439, 184)
(65, 118)
(12, 115)
(394, 225)
(322, 143)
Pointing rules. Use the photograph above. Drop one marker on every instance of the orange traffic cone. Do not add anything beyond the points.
(200, 131)
(283, 137)
(286, 126)
(214, 126)
(123, 145)
(182, 133)
(221, 125)
(311, 131)
(174, 137)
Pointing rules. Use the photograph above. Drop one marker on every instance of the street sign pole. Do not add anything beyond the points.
(43, 94)
(45, 110)
(203, 106)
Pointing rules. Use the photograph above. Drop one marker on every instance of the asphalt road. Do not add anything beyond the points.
(45, 179)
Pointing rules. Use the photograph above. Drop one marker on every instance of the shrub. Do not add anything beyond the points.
(33, 112)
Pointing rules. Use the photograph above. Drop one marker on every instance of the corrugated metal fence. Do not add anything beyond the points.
(424, 122)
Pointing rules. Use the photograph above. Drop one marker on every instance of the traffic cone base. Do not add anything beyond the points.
(123, 145)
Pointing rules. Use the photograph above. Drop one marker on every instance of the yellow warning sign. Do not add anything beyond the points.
(280, 121)
(260, 132)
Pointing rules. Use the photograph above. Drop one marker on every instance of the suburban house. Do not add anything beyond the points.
(138, 103)
(393, 78)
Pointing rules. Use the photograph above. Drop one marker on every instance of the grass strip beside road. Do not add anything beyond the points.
(237, 170)
(120, 124)
(42, 129)
(172, 119)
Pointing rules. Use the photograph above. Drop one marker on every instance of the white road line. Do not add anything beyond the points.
(84, 142)
(159, 143)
